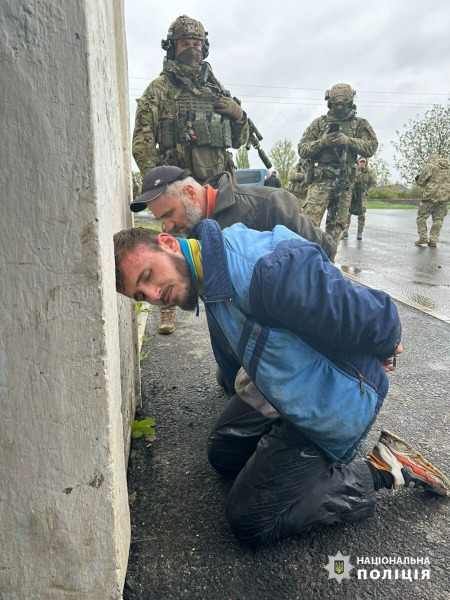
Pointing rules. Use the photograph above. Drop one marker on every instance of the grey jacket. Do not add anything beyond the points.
(262, 208)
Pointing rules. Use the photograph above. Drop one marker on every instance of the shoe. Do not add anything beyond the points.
(420, 242)
(359, 235)
(345, 235)
(166, 323)
(407, 466)
(432, 244)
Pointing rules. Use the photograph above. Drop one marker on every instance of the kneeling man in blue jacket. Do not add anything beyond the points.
(314, 351)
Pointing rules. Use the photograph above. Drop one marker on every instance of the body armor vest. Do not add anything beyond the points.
(328, 156)
(192, 133)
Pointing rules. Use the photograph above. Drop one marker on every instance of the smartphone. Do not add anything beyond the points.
(333, 128)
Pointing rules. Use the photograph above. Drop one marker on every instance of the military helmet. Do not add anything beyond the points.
(341, 92)
(185, 27)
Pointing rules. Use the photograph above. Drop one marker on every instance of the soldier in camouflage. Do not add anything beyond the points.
(297, 182)
(332, 142)
(435, 181)
(186, 117)
(366, 179)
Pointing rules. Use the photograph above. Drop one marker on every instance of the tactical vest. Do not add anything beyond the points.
(196, 136)
(328, 156)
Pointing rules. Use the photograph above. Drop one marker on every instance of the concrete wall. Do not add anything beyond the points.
(68, 364)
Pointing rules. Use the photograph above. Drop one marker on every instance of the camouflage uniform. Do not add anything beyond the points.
(176, 121)
(297, 182)
(334, 167)
(367, 179)
(435, 179)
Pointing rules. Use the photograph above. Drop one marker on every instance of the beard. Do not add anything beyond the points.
(193, 216)
(190, 300)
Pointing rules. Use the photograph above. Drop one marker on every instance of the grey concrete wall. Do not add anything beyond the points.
(68, 366)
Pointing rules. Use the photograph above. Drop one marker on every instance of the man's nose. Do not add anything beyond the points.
(153, 294)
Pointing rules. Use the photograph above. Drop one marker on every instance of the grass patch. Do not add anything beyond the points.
(381, 204)
(148, 226)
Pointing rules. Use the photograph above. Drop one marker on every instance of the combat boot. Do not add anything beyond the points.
(359, 234)
(421, 241)
(432, 243)
(345, 235)
(166, 323)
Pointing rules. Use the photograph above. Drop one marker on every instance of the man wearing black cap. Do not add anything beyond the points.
(179, 202)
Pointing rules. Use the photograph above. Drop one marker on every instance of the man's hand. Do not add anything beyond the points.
(389, 363)
(327, 140)
(340, 139)
(230, 108)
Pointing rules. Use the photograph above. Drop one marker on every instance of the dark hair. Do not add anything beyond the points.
(125, 241)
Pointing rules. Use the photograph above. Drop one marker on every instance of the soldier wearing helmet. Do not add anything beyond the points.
(332, 142)
(186, 117)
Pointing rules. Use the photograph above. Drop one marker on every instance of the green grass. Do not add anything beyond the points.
(147, 226)
(382, 204)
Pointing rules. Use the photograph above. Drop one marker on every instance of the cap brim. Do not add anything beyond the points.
(140, 203)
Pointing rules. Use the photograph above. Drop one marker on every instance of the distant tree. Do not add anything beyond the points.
(420, 138)
(242, 161)
(381, 168)
(282, 156)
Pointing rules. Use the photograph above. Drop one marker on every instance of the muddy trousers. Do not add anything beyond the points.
(285, 485)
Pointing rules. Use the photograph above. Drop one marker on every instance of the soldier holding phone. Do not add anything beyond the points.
(331, 143)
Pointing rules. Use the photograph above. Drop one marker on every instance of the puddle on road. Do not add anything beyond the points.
(414, 291)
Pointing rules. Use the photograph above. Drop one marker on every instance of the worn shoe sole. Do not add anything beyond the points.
(415, 464)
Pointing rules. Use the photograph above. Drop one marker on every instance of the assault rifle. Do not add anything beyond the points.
(207, 77)
(333, 206)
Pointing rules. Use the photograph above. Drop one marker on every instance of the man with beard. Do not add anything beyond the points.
(186, 117)
(315, 348)
(179, 202)
(332, 142)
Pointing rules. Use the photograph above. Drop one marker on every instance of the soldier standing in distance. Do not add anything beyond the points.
(366, 180)
(186, 117)
(435, 181)
(332, 142)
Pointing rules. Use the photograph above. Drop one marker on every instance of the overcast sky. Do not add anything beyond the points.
(280, 57)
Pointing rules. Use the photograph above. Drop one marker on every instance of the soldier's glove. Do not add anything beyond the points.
(341, 140)
(326, 140)
(230, 108)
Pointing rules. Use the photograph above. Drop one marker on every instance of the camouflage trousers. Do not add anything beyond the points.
(361, 221)
(320, 198)
(438, 211)
(301, 200)
(361, 218)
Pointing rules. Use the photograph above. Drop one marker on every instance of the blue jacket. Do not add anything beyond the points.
(310, 340)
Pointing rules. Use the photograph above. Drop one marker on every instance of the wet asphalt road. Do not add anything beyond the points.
(386, 258)
(182, 547)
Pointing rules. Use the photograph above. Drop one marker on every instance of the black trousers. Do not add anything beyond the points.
(284, 484)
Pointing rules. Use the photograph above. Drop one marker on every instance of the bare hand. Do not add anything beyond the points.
(389, 364)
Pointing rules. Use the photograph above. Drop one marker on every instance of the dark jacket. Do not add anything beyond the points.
(311, 341)
(272, 181)
(262, 208)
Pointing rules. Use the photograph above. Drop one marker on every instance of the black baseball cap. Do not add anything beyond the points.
(155, 183)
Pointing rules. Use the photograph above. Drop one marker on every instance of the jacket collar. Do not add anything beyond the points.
(216, 279)
(224, 186)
